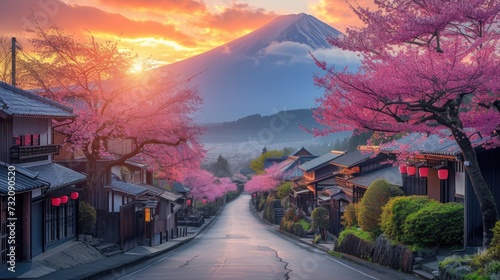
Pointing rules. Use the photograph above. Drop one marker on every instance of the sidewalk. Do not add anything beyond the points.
(42, 267)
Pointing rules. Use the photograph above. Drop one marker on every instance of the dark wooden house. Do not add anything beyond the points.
(445, 178)
(41, 194)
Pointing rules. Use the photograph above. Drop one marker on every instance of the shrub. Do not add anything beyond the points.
(494, 249)
(349, 217)
(395, 212)
(435, 224)
(284, 189)
(305, 224)
(370, 207)
(289, 215)
(321, 221)
(269, 209)
(87, 217)
(364, 235)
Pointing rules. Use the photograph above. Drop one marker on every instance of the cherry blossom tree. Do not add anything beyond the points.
(204, 185)
(426, 66)
(149, 115)
(267, 181)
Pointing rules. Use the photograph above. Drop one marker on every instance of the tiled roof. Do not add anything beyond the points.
(390, 173)
(351, 159)
(180, 188)
(57, 175)
(127, 188)
(17, 102)
(161, 192)
(432, 144)
(319, 162)
(24, 181)
(299, 151)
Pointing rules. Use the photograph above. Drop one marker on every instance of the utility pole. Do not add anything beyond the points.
(13, 61)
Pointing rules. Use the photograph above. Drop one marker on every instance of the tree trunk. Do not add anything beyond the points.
(487, 203)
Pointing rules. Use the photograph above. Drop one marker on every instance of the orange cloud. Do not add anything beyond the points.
(158, 6)
(338, 14)
(234, 20)
(75, 19)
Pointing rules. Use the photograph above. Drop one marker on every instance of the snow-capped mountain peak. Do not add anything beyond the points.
(265, 71)
(298, 28)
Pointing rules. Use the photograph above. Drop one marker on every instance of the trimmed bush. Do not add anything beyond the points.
(435, 224)
(370, 208)
(349, 218)
(87, 217)
(396, 211)
(321, 221)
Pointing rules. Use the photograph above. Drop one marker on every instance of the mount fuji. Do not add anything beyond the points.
(265, 71)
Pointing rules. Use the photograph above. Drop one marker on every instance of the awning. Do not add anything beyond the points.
(323, 198)
(127, 188)
(57, 175)
(161, 192)
(341, 196)
(300, 190)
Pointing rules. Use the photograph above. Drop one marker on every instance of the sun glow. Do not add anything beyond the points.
(137, 67)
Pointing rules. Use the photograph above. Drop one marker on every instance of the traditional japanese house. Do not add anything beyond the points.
(39, 196)
(437, 169)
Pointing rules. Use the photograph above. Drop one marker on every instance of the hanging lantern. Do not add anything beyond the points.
(188, 202)
(74, 195)
(412, 170)
(204, 200)
(64, 199)
(56, 201)
(443, 174)
(423, 171)
(403, 169)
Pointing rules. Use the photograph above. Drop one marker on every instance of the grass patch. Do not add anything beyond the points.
(335, 254)
(365, 235)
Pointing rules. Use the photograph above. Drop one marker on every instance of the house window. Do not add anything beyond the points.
(59, 221)
(358, 194)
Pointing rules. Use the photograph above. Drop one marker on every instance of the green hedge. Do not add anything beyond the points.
(435, 224)
(396, 211)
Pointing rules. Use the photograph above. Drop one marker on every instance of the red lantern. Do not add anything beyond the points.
(204, 201)
(412, 170)
(423, 171)
(403, 169)
(56, 201)
(74, 195)
(188, 202)
(64, 199)
(443, 174)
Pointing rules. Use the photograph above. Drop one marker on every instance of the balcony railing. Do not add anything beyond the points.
(20, 153)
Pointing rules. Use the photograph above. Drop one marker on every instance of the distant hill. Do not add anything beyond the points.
(282, 127)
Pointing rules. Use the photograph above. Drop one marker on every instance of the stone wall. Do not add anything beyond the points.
(381, 251)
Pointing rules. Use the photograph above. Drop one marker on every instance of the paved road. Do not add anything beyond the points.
(238, 246)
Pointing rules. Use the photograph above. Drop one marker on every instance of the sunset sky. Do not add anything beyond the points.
(166, 30)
